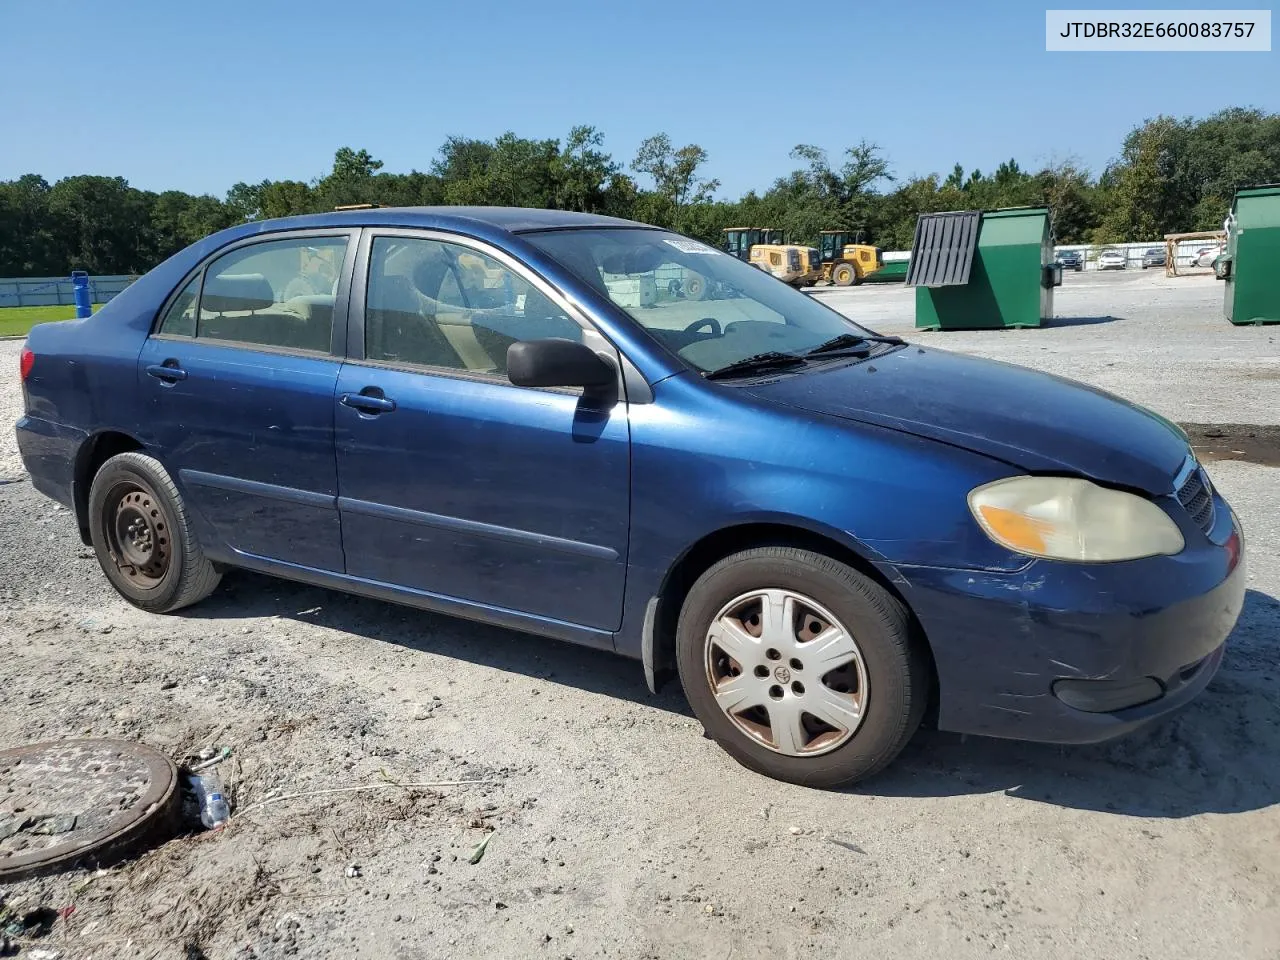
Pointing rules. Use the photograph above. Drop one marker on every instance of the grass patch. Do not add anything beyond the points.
(16, 321)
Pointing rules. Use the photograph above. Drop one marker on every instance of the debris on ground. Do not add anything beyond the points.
(847, 845)
(478, 853)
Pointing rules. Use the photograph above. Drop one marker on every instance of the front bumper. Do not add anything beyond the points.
(1004, 643)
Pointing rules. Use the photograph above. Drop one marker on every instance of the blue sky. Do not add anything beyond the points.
(197, 96)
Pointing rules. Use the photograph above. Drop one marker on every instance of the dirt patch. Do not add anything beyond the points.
(1255, 443)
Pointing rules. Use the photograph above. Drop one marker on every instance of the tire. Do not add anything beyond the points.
(843, 275)
(887, 677)
(143, 537)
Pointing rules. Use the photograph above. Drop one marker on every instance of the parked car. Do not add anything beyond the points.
(1205, 256)
(1154, 257)
(1071, 260)
(746, 491)
(1111, 260)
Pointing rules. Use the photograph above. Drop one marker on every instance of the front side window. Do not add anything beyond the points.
(444, 305)
(709, 308)
(279, 293)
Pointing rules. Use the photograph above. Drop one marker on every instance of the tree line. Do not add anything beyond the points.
(1171, 175)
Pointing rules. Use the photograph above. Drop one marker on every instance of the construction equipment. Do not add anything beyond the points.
(738, 241)
(846, 260)
(791, 263)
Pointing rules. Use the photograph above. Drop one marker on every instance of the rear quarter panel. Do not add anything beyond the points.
(85, 377)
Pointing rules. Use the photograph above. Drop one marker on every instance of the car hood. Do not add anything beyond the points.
(1034, 421)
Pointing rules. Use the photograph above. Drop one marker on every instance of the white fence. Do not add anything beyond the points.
(1184, 256)
(1184, 252)
(54, 291)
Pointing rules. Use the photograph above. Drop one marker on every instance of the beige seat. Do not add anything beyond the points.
(457, 329)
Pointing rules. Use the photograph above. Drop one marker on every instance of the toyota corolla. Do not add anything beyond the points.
(605, 433)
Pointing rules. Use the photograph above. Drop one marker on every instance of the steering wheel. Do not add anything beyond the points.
(711, 322)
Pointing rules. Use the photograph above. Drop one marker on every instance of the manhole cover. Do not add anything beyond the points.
(69, 799)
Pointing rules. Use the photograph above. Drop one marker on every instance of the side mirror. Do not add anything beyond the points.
(557, 363)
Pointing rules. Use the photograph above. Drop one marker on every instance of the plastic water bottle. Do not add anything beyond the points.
(214, 810)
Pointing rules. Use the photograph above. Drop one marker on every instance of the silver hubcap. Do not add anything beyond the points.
(786, 672)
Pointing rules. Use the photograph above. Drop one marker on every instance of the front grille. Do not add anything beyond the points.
(1197, 498)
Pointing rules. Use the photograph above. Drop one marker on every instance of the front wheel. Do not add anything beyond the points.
(143, 539)
(800, 667)
(844, 275)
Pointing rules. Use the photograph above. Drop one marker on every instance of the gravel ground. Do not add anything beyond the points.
(1160, 341)
(616, 829)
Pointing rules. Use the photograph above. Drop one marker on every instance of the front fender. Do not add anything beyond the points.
(890, 497)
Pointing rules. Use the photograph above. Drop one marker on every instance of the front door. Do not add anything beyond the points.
(452, 480)
(240, 378)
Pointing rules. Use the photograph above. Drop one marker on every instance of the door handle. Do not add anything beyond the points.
(366, 403)
(169, 372)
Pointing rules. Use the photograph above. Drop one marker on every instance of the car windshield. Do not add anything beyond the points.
(709, 308)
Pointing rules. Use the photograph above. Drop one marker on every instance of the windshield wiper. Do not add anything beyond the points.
(852, 342)
(770, 360)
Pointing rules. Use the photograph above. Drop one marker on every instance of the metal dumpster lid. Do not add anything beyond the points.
(62, 801)
(1258, 190)
(942, 251)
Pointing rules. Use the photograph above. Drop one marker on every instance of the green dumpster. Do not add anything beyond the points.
(1253, 250)
(980, 270)
(894, 271)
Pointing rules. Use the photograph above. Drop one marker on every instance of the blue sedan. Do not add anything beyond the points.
(602, 432)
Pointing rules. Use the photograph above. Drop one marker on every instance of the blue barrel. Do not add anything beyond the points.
(80, 287)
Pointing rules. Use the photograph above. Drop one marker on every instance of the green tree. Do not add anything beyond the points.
(102, 225)
(287, 198)
(244, 201)
(351, 181)
(584, 172)
(27, 247)
(820, 197)
(675, 176)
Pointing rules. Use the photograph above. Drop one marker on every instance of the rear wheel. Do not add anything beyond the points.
(141, 535)
(844, 275)
(800, 667)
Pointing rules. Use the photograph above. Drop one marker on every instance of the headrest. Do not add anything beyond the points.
(309, 306)
(234, 292)
(428, 273)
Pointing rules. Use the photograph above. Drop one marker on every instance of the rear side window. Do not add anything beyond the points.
(279, 293)
(180, 320)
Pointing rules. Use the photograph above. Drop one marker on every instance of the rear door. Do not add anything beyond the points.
(239, 376)
(455, 482)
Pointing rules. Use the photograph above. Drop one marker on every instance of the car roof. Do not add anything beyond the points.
(467, 219)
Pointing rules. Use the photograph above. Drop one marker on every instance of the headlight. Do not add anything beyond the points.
(1062, 518)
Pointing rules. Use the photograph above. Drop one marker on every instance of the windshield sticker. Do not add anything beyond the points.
(691, 246)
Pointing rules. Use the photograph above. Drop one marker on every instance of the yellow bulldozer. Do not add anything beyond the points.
(791, 263)
(846, 260)
(738, 241)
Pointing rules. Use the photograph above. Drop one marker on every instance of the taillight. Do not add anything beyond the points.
(26, 362)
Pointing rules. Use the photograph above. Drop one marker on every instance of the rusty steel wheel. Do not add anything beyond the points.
(138, 533)
(786, 672)
(142, 535)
